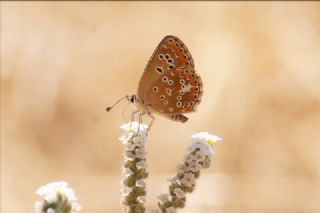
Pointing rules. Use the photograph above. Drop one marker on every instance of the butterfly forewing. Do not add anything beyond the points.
(169, 83)
(169, 54)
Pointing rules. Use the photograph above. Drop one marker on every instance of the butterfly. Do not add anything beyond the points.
(169, 85)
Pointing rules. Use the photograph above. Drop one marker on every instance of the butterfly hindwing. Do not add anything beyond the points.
(179, 91)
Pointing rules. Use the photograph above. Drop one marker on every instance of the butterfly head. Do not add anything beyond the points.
(132, 98)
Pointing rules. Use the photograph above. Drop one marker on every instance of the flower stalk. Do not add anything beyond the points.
(135, 168)
(198, 157)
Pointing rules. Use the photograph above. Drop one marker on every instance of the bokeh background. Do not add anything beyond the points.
(62, 63)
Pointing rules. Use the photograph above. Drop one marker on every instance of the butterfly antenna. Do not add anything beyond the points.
(110, 107)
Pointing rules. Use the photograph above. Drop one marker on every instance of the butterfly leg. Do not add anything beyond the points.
(140, 120)
(151, 122)
(132, 115)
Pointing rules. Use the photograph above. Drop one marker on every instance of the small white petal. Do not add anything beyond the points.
(194, 166)
(125, 191)
(141, 183)
(129, 155)
(155, 211)
(38, 206)
(51, 197)
(50, 210)
(141, 199)
(188, 180)
(163, 198)
(140, 153)
(179, 193)
(172, 180)
(127, 172)
(141, 164)
(171, 210)
(76, 207)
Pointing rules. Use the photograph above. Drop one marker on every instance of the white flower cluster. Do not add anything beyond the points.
(57, 198)
(204, 141)
(135, 133)
(135, 167)
(198, 157)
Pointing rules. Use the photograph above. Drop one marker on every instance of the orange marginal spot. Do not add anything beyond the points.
(178, 52)
(192, 97)
(176, 72)
(193, 89)
(190, 76)
(183, 74)
(187, 109)
(181, 58)
(193, 82)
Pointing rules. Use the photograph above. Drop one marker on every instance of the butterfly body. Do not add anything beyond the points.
(169, 85)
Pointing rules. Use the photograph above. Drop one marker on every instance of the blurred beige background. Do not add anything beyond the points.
(63, 62)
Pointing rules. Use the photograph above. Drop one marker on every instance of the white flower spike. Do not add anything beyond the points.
(135, 167)
(197, 158)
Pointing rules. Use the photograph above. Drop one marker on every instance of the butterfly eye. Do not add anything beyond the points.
(181, 92)
(179, 97)
(167, 56)
(133, 99)
(177, 44)
(166, 102)
(155, 89)
(170, 40)
(170, 82)
(164, 79)
(182, 81)
(162, 97)
(179, 104)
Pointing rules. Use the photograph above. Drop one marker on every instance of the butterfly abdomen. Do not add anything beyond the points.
(179, 117)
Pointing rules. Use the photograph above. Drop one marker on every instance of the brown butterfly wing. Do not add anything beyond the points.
(178, 91)
(171, 53)
(169, 84)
